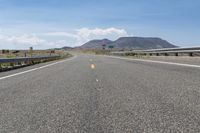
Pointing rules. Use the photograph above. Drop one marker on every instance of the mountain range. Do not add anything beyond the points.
(129, 43)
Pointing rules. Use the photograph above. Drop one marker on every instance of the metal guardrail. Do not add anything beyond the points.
(172, 49)
(193, 51)
(27, 59)
(23, 61)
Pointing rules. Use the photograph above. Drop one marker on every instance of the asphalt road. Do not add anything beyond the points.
(97, 94)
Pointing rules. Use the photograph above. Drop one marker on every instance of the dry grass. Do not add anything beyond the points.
(26, 53)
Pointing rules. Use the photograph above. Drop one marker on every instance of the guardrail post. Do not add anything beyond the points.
(166, 54)
(11, 64)
(20, 63)
(191, 54)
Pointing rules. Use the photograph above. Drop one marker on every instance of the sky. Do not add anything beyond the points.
(46, 24)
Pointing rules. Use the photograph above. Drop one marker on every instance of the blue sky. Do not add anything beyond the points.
(56, 23)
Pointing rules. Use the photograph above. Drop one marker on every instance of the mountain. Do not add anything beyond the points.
(130, 43)
(141, 43)
(95, 44)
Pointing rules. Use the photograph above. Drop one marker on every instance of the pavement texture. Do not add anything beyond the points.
(97, 94)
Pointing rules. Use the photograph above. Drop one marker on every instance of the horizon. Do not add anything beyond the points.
(58, 23)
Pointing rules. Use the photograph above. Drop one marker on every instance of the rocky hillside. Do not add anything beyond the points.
(129, 43)
(95, 44)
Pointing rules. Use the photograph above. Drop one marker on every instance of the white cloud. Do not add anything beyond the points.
(21, 41)
(57, 44)
(26, 39)
(83, 35)
(85, 32)
(64, 34)
(59, 39)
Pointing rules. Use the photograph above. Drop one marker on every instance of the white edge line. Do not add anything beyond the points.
(34, 69)
(160, 62)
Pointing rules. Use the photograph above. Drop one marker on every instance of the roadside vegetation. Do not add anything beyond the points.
(6, 54)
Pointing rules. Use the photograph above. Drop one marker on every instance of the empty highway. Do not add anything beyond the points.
(99, 94)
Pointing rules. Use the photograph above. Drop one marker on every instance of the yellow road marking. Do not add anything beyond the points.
(92, 66)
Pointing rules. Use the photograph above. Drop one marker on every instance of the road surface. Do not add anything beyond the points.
(98, 94)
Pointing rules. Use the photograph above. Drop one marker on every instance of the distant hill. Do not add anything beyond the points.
(95, 44)
(66, 48)
(129, 43)
(63, 48)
